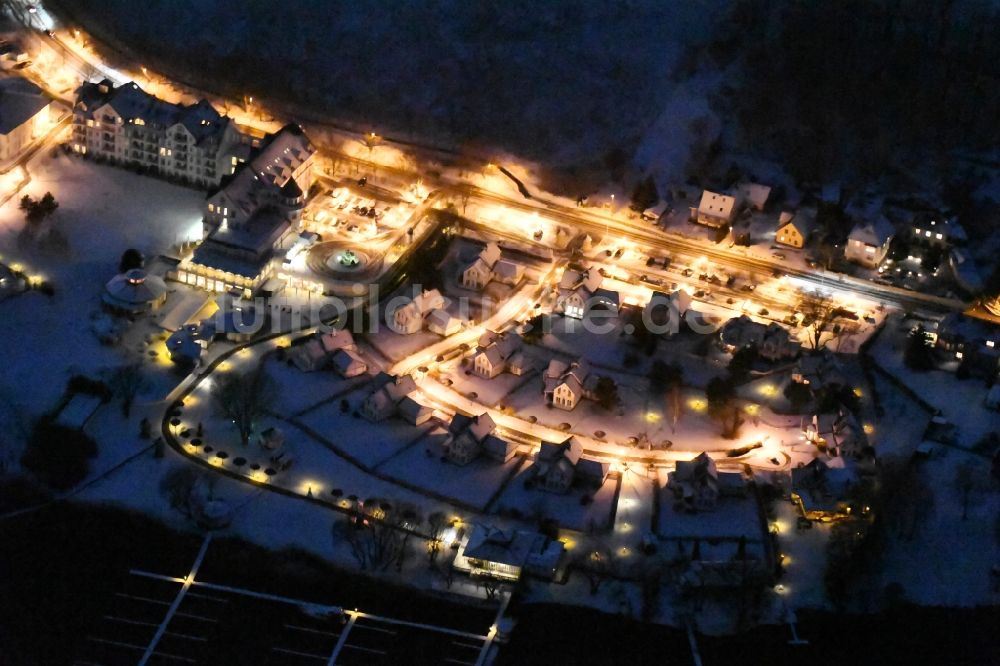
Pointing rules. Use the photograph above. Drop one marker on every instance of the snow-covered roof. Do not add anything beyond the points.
(340, 338)
(412, 411)
(802, 223)
(513, 548)
(875, 232)
(715, 204)
(588, 280)
(134, 289)
(347, 361)
(20, 101)
(755, 194)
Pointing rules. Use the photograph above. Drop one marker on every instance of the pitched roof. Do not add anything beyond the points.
(20, 100)
(875, 232)
(717, 205)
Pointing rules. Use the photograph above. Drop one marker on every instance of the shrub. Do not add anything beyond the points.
(58, 456)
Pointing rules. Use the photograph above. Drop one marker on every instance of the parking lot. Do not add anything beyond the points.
(159, 619)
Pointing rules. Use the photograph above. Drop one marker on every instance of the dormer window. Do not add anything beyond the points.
(140, 121)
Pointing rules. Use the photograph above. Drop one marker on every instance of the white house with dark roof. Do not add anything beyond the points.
(127, 126)
(716, 209)
(559, 464)
(24, 115)
(498, 353)
(490, 266)
(697, 484)
(580, 292)
(467, 436)
(383, 401)
(868, 242)
(566, 384)
(409, 317)
(754, 195)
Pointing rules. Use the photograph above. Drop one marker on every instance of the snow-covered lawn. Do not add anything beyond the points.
(370, 443)
(568, 510)
(473, 484)
(102, 212)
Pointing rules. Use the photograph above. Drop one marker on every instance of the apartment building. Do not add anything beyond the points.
(127, 126)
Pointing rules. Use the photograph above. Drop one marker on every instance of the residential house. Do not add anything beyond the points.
(488, 266)
(409, 318)
(130, 127)
(868, 242)
(818, 370)
(794, 229)
(580, 292)
(566, 384)
(754, 195)
(466, 435)
(413, 412)
(772, 341)
(937, 230)
(697, 484)
(383, 401)
(489, 551)
(559, 464)
(251, 213)
(24, 116)
(837, 433)
(715, 209)
(348, 362)
(498, 353)
(972, 340)
(821, 489)
(317, 352)
(663, 312)
(441, 322)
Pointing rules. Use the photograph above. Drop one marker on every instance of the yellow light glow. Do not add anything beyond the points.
(869, 428)
(652, 417)
(858, 392)
(568, 544)
(770, 390)
(259, 476)
(225, 366)
(697, 404)
(752, 409)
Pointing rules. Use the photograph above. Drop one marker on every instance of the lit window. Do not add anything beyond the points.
(940, 236)
(163, 151)
(211, 208)
(928, 234)
(958, 355)
(140, 121)
(90, 122)
(918, 232)
(234, 161)
(870, 250)
(225, 211)
(990, 344)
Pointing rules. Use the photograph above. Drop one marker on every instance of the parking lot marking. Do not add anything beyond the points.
(343, 639)
(188, 580)
(312, 631)
(298, 654)
(160, 602)
(192, 616)
(124, 620)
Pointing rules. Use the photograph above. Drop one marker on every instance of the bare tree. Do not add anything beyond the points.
(969, 480)
(244, 398)
(126, 383)
(376, 533)
(819, 316)
(436, 524)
